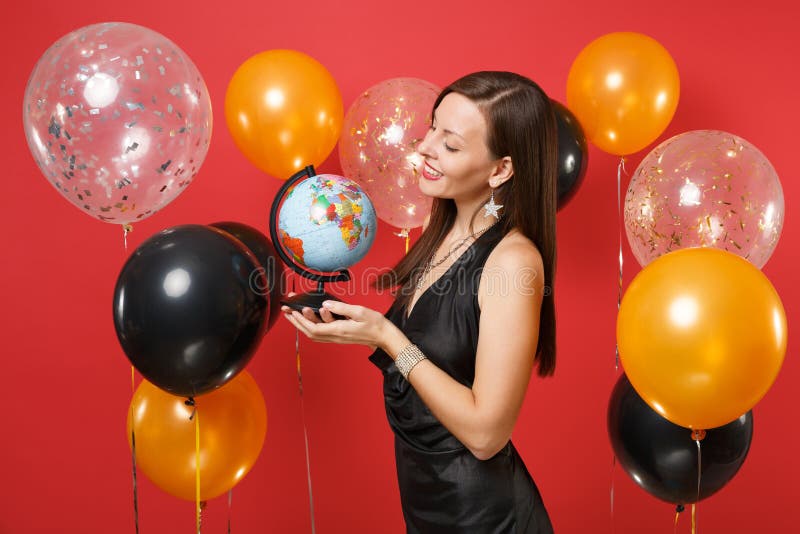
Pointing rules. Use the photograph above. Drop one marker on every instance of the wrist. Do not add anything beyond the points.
(408, 358)
(393, 340)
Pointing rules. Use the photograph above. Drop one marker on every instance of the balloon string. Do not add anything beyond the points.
(620, 170)
(613, 469)
(197, 469)
(699, 467)
(404, 233)
(133, 459)
(698, 435)
(305, 430)
(195, 415)
(678, 510)
(133, 471)
(230, 499)
(126, 229)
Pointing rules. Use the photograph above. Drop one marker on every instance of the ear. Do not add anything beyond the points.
(503, 171)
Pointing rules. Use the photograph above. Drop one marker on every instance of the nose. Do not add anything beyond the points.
(425, 147)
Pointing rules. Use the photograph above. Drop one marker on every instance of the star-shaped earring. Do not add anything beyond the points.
(492, 208)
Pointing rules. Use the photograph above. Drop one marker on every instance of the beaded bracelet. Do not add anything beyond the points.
(408, 358)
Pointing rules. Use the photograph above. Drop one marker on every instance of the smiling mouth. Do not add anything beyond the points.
(430, 173)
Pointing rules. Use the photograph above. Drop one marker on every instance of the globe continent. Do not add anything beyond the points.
(327, 223)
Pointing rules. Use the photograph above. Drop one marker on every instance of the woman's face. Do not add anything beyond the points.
(457, 162)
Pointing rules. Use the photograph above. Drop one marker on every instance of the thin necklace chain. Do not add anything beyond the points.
(430, 265)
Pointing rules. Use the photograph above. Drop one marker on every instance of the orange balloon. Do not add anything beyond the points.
(284, 111)
(233, 423)
(623, 88)
(702, 336)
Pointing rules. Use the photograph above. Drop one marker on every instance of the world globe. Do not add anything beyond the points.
(326, 223)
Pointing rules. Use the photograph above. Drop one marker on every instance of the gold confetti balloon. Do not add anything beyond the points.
(378, 147)
(118, 118)
(704, 188)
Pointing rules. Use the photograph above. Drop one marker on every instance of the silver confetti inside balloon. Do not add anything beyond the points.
(118, 118)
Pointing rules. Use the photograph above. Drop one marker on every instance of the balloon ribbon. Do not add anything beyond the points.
(404, 233)
(613, 468)
(230, 498)
(620, 170)
(199, 505)
(126, 229)
(133, 460)
(678, 510)
(697, 436)
(305, 430)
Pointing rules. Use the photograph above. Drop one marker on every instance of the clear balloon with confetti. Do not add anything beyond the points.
(118, 118)
(378, 147)
(704, 188)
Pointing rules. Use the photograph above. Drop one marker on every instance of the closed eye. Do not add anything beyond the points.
(446, 146)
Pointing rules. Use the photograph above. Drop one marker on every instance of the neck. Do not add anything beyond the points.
(464, 211)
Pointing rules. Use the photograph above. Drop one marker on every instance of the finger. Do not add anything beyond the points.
(350, 310)
(309, 314)
(319, 331)
(301, 323)
(291, 294)
(326, 315)
(291, 319)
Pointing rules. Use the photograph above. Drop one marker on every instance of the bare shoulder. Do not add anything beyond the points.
(515, 251)
(513, 270)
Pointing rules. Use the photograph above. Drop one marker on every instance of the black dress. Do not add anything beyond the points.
(444, 489)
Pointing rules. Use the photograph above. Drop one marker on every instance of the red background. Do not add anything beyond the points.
(64, 460)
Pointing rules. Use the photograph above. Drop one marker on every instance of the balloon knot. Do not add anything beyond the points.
(190, 402)
(679, 509)
(698, 434)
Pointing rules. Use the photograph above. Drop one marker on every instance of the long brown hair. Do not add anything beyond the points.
(521, 125)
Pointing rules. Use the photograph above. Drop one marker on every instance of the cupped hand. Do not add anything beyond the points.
(362, 326)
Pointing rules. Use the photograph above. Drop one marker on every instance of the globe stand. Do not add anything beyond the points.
(312, 299)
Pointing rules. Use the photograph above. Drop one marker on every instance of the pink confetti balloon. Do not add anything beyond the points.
(704, 188)
(378, 147)
(118, 119)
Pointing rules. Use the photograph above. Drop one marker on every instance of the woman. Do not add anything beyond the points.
(472, 315)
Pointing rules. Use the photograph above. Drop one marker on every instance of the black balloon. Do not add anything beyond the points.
(264, 251)
(573, 156)
(661, 457)
(185, 311)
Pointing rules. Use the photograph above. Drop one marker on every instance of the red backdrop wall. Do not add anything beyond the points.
(65, 383)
